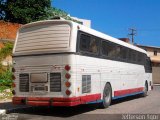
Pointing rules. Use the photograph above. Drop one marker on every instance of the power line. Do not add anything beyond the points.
(132, 33)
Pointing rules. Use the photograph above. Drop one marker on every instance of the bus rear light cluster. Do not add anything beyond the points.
(68, 92)
(13, 77)
(68, 84)
(67, 76)
(67, 67)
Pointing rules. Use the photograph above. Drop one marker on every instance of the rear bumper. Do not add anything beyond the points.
(47, 101)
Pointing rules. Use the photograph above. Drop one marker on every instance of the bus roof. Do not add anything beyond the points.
(90, 31)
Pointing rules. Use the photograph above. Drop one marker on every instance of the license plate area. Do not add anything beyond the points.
(39, 77)
(40, 88)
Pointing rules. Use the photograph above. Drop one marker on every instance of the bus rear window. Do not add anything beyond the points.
(46, 37)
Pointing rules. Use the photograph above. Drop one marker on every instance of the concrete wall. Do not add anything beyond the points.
(156, 75)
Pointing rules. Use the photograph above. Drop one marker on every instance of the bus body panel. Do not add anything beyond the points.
(121, 76)
(46, 64)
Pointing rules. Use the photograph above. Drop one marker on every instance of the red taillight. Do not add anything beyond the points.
(67, 76)
(13, 69)
(13, 77)
(68, 84)
(67, 67)
(13, 85)
(68, 92)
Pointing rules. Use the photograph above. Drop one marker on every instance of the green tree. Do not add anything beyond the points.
(60, 13)
(6, 50)
(5, 71)
(24, 11)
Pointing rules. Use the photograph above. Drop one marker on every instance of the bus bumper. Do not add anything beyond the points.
(47, 101)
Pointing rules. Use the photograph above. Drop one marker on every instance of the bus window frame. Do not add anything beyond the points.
(100, 55)
(82, 52)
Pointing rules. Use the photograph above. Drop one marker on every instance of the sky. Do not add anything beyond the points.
(115, 17)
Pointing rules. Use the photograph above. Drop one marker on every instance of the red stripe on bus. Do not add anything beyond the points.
(66, 99)
(128, 91)
(55, 101)
(38, 98)
(17, 102)
(73, 101)
(18, 98)
(66, 103)
(89, 98)
(38, 103)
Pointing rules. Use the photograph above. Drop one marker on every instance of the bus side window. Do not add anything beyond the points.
(123, 53)
(148, 65)
(134, 56)
(89, 44)
(104, 48)
(84, 42)
(93, 47)
(139, 58)
(129, 55)
(109, 49)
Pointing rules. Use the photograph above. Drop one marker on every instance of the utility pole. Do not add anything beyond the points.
(132, 34)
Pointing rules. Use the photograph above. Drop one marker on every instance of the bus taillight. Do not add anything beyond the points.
(67, 67)
(68, 84)
(67, 76)
(68, 92)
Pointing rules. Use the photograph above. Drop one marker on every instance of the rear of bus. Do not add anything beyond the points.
(43, 64)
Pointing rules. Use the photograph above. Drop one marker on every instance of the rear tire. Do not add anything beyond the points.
(145, 90)
(107, 96)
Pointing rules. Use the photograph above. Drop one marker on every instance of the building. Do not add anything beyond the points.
(154, 53)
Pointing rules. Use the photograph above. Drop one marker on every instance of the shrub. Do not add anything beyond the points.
(6, 78)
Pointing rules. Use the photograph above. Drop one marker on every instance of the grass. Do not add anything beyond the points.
(4, 94)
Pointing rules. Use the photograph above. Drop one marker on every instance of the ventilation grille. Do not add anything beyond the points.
(44, 37)
(55, 82)
(24, 82)
(86, 83)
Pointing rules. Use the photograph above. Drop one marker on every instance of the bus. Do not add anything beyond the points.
(63, 63)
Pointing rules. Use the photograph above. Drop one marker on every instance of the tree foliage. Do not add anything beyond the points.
(24, 11)
(6, 50)
(60, 13)
(5, 71)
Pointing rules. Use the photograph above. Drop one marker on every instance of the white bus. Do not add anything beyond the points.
(62, 63)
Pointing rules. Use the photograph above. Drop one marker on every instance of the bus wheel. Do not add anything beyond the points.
(145, 90)
(107, 96)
